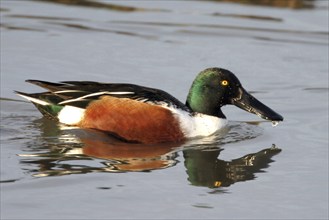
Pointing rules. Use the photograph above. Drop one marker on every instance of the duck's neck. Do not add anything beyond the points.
(202, 99)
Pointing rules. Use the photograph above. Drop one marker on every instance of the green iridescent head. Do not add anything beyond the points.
(216, 87)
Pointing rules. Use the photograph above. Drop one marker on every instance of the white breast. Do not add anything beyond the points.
(199, 125)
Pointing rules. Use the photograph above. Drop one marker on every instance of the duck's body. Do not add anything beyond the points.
(146, 115)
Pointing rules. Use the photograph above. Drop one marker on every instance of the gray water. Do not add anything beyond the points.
(250, 170)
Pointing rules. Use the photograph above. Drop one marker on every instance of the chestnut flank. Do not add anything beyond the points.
(132, 120)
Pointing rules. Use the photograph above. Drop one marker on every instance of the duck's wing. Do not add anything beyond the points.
(81, 93)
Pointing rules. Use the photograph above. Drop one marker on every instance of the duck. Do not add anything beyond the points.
(147, 115)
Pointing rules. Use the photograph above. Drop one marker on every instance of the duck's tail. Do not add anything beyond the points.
(45, 102)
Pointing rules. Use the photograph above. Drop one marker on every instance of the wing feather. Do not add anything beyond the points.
(77, 93)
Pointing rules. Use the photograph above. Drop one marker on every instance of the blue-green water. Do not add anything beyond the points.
(251, 170)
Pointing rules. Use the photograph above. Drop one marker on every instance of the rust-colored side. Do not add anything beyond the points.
(132, 120)
(134, 157)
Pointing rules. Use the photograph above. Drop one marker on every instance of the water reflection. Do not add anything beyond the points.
(294, 4)
(65, 151)
(150, 29)
(205, 169)
(84, 151)
(92, 4)
(79, 151)
(97, 4)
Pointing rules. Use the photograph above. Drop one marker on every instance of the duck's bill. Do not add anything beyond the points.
(250, 104)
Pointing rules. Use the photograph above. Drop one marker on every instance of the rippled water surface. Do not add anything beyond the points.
(250, 170)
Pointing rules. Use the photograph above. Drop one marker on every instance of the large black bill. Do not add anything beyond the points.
(250, 104)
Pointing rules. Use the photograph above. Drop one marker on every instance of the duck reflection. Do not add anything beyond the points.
(84, 151)
(80, 151)
(123, 156)
(205, 169)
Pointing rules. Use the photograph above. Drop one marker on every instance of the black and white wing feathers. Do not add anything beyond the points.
(81, 93)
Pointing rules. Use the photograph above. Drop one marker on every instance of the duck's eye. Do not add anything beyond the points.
(224, 83)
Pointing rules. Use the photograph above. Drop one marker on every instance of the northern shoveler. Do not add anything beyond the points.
(147, 115)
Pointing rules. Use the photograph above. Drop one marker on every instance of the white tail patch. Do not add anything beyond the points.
(38, 101)
(71, 115)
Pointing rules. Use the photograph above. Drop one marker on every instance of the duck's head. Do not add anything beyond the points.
(216, 87)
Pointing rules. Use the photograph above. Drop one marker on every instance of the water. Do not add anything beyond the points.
(249, 170)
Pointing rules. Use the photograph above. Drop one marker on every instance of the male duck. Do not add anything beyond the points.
(147, 115)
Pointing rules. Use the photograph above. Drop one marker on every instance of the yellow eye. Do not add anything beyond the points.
(224, 82)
